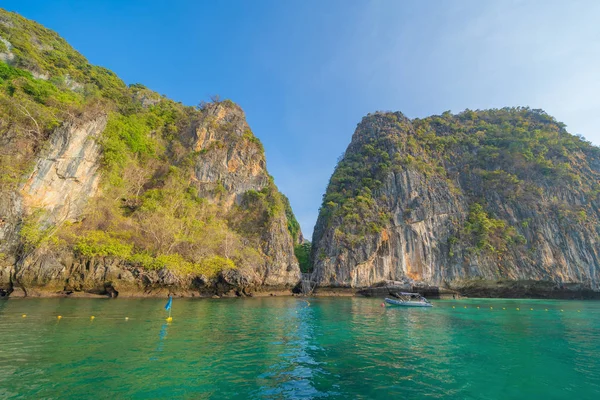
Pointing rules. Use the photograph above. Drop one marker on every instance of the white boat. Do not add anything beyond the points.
(409, 300)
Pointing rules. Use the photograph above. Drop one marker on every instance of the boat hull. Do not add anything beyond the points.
(407, 303)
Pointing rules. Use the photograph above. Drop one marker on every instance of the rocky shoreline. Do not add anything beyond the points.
(460, 290)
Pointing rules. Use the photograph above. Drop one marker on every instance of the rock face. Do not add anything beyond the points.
(229, 155)
(45, 275)
(230, 163)
(67, 174)
(456, 199)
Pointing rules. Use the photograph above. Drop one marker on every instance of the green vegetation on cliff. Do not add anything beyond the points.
(302, 252)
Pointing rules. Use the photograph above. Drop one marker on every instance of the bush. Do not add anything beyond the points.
(32, 233)
(102, 244)
(302, 252)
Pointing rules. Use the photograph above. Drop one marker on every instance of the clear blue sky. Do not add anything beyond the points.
(307, 71)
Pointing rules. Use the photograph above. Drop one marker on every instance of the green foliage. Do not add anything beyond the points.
(43, 51)
(482, 228)
(322, 255)
(292, 223)
(208, 267)
(228, 103)
(267, 202)
(32, 233)
(8, 72)
(489, 234)
(168, 227)
(102, 244)
(249, 136)
(135, 137)
(302, 252)
(212, 265)
(219, 189)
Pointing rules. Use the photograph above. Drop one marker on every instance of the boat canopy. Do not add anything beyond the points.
(407, 296)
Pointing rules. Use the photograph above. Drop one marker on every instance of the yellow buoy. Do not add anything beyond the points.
(126, 318)
(562, 310)
(491, 308)
(465, 306)
(546, 309)
(531, 309)
(92, 317)
(478, 307)
(170, 319)
(453, 307)
(518, 308)
(578, 310)
(504, 308)
(59, 317)
(24, 315)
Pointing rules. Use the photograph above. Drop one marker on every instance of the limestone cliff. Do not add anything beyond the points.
(113, 189)
(66, 173)
(453, 200)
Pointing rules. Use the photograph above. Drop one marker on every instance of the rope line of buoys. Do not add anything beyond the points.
(516, 308)
(60, 317)
(170, 319)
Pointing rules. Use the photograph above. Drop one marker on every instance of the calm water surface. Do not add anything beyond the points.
(284, 348)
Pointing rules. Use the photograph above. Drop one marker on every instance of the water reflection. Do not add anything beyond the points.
(294, 370)
(162, 335)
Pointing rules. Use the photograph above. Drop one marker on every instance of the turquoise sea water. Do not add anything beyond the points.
(284, 348)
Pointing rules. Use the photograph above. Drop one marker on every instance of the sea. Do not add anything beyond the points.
(298, 348)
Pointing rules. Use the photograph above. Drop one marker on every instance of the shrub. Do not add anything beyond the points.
(102, 244)
(302, 253)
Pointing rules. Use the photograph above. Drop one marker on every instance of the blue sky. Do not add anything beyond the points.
(307, 71)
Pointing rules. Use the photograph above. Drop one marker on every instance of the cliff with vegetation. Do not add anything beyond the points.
(469, 201)
(113, 189)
